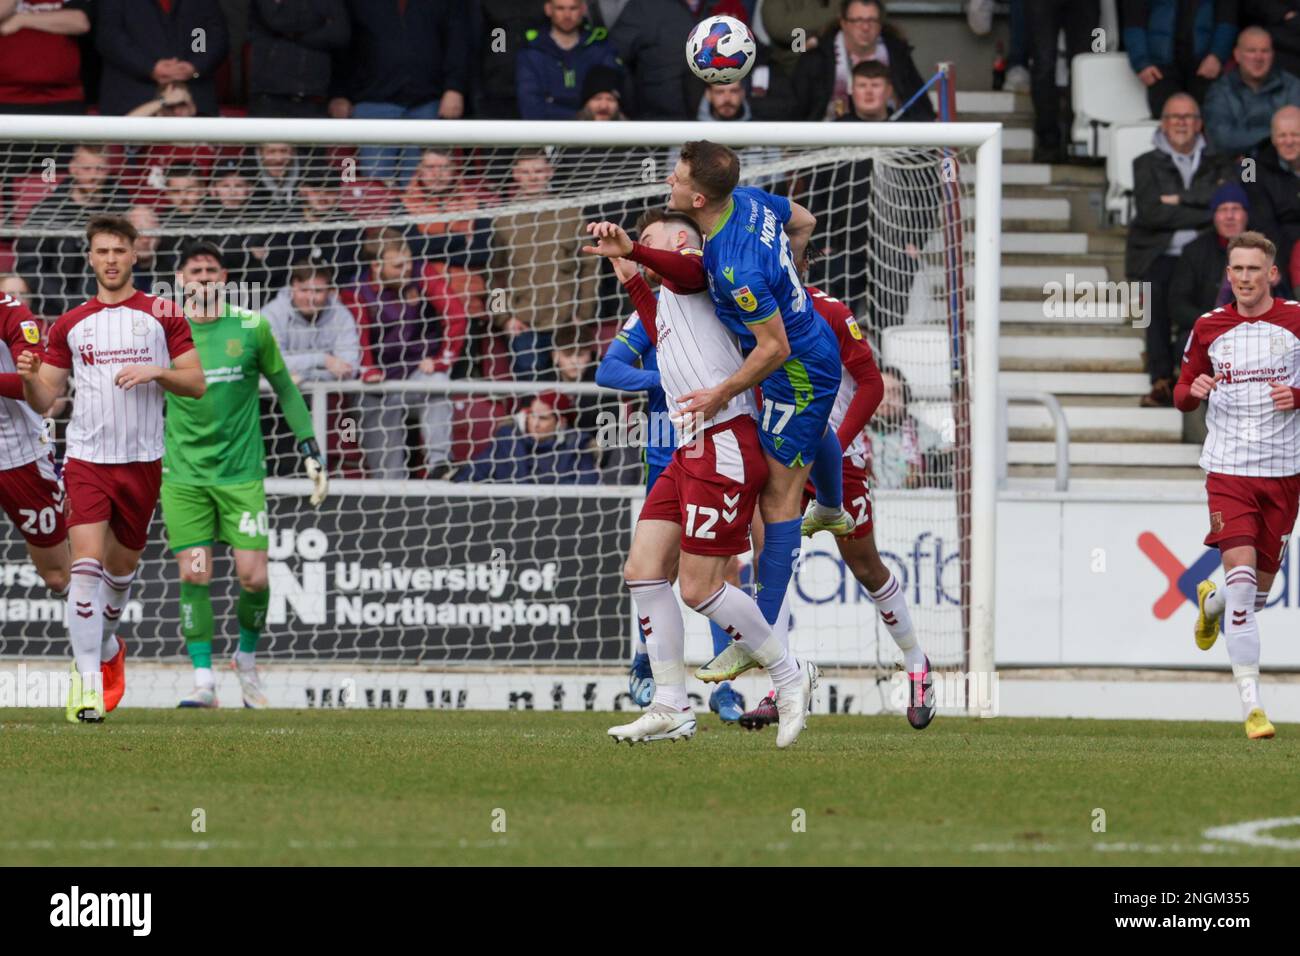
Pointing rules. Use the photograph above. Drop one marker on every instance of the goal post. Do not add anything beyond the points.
(927, 285)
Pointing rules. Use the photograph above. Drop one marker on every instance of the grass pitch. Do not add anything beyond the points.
(440, 787)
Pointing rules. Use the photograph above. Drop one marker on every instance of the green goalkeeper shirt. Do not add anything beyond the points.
(217, 439)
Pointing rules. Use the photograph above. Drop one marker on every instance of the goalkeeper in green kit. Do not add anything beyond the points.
(214, 464)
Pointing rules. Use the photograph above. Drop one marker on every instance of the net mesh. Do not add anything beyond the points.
(446, 331)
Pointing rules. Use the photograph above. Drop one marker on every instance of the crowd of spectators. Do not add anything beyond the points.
(507, 295)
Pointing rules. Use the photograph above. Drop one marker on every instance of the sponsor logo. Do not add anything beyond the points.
(744, 298)
(1182, 579)
(87, 352)
(729, 273)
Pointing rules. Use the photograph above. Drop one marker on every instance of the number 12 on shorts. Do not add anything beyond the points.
(704, 531)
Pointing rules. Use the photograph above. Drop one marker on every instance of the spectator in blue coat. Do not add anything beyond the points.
(551, 67)
(1178, 46)
(536, 449)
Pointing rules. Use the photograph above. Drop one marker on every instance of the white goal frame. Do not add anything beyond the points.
(984, 138)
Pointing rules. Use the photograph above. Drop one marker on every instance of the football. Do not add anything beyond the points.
(721, 50)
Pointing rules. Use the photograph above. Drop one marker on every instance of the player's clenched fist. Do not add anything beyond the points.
(611, 240)
(1203, 385)
(1283, 397)
(29, 365)
(134, 375)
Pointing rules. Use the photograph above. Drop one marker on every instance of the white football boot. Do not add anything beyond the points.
(250, 685)
(656, 725)
(793, 704)
(202, 697)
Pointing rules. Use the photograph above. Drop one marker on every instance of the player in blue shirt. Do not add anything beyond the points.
(631, 365)
(752, 241)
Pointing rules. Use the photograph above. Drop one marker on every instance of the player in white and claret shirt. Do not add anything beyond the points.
(1244, 360)
(698, 514)
(30, 492)
(123, 348)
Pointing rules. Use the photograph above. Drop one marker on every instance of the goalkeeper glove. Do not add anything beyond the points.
(320, 484)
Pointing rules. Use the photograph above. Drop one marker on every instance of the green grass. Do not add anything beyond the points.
(421, 787)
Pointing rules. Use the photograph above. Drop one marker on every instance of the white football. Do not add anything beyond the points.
(721, 50)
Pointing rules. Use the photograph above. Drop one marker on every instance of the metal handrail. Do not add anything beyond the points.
(1053, 406)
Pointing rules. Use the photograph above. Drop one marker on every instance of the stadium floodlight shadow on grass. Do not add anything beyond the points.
(491, 579)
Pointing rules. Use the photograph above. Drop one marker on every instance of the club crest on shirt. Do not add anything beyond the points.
(234, 348)
(138, 325)
(744, 298)
(1277, 344)
(31, 332)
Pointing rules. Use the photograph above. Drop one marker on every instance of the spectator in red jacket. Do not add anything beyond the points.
(399, 317)
(40, 62)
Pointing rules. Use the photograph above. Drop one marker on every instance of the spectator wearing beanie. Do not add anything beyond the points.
(552, 67)
(602, 95)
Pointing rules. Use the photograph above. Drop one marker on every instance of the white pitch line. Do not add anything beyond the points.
(1250, 833)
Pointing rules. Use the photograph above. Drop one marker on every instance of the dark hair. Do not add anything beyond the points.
(114, 225)
(183, 171)
(570, 338)
(871, 70)
(381, 239)
(715, 169)
(306, 269)
(197, 248)
(669, 217)
(892, 370)
(887, 26)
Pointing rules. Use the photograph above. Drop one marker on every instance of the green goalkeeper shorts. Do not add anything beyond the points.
(196, 516)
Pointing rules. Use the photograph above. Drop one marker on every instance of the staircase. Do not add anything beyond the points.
(1093, 364)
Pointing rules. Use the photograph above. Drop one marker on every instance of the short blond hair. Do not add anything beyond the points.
(1253, 240)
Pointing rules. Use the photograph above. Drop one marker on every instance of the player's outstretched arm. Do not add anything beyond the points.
(42, 383)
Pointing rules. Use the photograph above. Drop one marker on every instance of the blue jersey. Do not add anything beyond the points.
(752, 279)
(661, 439)
(751, 274)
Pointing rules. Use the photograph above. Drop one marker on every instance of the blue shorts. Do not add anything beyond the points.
(798, 399)
(652, 472)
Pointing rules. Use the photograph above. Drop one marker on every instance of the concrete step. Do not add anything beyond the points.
(1043, 243)
(1038, 277)
(1017, 174)
(1132, 384)
(1153, 489)
(1035, 209)
(1096, 424)
(1128, 454)
(1025, 306)
(1063, 329)
(1070, 353)
(1097, 477)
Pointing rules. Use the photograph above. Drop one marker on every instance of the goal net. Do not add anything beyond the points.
(431, 298)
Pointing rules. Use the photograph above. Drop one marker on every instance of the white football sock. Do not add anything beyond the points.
(113, 591)
(737, 614)
(245, 660)
(825, 511)
(203, 677)
(1242, 635)
(85, 618)
(1261, 599)
(660, 617)
(892, 604)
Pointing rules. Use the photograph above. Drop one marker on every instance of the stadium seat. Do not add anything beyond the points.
(912, 350)
(1127, 143)
(474, 420)
(1104, 92)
